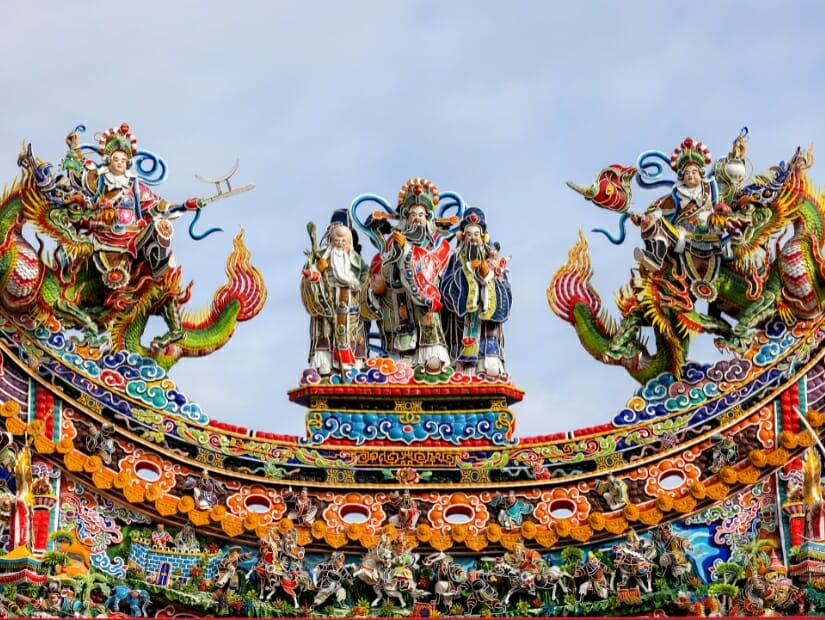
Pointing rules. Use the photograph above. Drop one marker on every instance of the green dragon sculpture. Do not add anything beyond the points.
(763, 277)
(63, 288)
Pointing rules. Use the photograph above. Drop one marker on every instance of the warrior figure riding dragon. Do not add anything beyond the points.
(108, 266)
(716, 238)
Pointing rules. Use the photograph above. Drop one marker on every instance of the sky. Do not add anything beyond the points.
(324, 101)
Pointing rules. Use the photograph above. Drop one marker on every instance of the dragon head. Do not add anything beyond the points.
(766, 206)
(612, 188)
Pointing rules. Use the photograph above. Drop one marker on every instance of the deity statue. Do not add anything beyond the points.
(613, 490)
(303, 508)
(206, 490)
(690, 218)
(408, 510)
(228, 578)
(160, 537)
(511, 510)
(715, 260)
(20, 526)
(334, 278)
(110, 267)
(812, 495)
(186, 540)
(477, 298)
(99, 441)
(405, 277)
(130, 226)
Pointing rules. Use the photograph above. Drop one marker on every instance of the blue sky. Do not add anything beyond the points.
(323, 101)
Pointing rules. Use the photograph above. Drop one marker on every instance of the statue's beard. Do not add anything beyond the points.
(415, 233)
(474, 252)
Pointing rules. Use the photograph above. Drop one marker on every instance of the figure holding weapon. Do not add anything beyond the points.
(332, 289)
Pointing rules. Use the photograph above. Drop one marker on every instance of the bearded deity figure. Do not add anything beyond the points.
(477, 297)
(405, 279)
(332, 288)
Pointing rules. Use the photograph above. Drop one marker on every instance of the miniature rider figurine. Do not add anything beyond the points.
(478, 298)
(130, 225)
(405, 279)
(333, 280)
(689, 218)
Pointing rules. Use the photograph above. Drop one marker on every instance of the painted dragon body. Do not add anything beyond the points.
(63, 289)
(763, 278)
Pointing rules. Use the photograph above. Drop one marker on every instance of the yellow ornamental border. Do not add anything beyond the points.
(304, 537)
(476, 542)
(685, 504)
(815, 418)
(217, 513)
(423, 532)
(459, 532)
(319, 529)
(805, 439)
(441, 542)
(122, 480)
(391, 531)
(546, 538)
(354, 531)
(103, 478)
(562, 528)
(788, 440)
(153, 492)
(74, 460)
(597, 521)
(698, 490)
(250, 521)
(186, 504)
(718, 491)
(728, 475)
(93, 464)
(65, 445)
(134, 493)
(493, 532)
(200, 518)
(35, 428)
(631, 512)
(284, 525)
(581, 533)
(651, 517)
(749, 475)
(528, 530)
(166, 505)
(336, 540)
(15, 426)
(232, 525)
(664, 502)
(778, 457)
(44, 445)
(616, 525)
(758, 458)
(9, 408)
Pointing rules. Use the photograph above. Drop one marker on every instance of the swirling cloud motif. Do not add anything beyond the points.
(562, 504)
(450, 428)
(365, 510)
(145, 468)
(671, 476)
(457, 509)
(265, 503)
